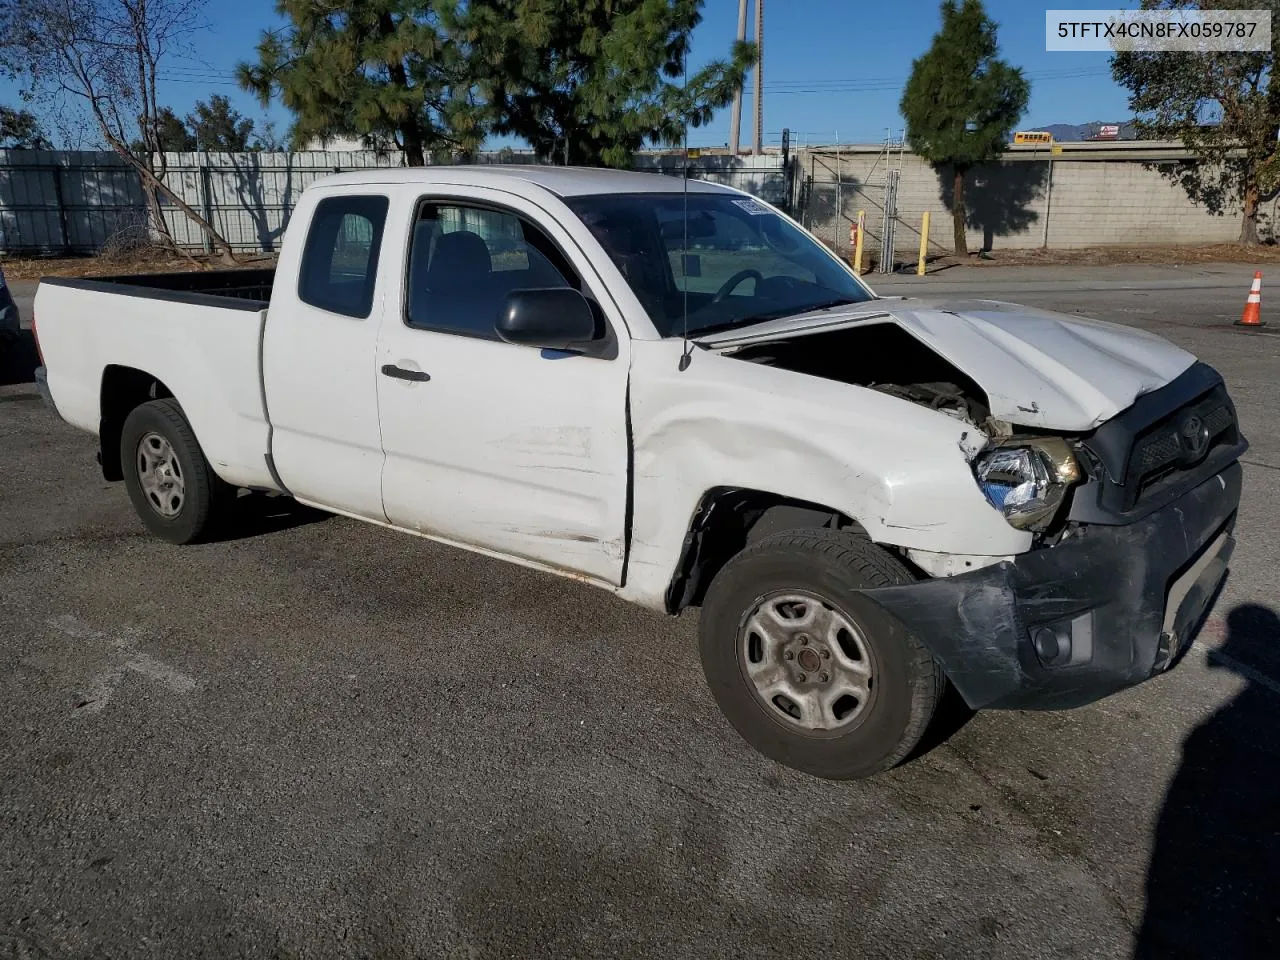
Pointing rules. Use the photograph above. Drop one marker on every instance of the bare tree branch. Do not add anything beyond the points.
(110, 54)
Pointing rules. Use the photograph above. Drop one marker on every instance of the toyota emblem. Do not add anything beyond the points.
(1193, 437)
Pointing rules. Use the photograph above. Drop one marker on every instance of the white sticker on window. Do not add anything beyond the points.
(752, 207)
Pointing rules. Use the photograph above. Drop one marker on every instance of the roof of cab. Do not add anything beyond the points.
(562, 181)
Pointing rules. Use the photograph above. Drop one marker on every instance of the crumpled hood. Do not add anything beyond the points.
(1039, 368)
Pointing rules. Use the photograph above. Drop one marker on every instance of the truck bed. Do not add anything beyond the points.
(234, 289)
(198, 336)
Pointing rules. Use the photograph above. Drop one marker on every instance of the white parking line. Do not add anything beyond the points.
(104, 686)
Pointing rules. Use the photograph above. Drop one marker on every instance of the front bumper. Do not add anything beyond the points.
(1067, 625)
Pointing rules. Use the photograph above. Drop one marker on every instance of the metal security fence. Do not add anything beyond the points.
(81, 202)
(46, 205)
(76, 202)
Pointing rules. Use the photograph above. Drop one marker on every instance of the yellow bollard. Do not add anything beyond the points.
(924, 243)
(857, 246)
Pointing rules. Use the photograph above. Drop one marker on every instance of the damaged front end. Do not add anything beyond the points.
(1131, 521)
(1027, 476)
(1126, 565)
(1103, 609)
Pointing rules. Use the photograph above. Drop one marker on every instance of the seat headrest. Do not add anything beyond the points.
(459, 258)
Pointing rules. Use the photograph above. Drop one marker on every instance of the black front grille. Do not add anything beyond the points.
(1163, 450)
(1157, 451)
(1152, 453)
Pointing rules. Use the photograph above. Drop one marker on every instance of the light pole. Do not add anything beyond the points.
(758, 137)
(735, 119)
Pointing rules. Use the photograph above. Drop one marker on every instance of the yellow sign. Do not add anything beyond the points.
(694, 153)
(1055, 151)
(1033, 136)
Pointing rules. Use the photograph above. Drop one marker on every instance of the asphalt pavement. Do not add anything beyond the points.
(319, 738)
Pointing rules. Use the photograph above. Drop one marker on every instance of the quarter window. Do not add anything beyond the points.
(340, 260)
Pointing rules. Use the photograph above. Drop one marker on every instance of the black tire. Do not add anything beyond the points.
(906, 682)
(205, 495)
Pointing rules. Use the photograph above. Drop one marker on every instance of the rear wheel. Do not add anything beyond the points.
(809, 671)
(171, 485)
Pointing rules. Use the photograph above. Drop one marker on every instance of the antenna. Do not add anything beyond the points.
(686, 355)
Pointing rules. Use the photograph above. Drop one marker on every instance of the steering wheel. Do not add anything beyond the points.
(731, 284)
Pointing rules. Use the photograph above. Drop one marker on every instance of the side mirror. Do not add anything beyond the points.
(557, 318)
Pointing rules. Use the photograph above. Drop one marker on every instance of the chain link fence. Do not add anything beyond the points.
(834, 187)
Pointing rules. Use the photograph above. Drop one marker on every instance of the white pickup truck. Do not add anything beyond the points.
(671, 390)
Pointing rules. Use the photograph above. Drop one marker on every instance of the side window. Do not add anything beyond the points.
(464, 261)
(340, 259)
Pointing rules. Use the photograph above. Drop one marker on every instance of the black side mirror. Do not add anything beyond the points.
(556, 318)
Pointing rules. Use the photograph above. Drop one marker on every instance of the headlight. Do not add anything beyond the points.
(1026, 479)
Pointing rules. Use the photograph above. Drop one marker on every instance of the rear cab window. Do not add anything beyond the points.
(340, 258)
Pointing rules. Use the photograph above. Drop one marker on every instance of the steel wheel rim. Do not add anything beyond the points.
(160, 475)
(807, 663)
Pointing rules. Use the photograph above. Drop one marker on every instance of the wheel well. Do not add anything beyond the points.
(727, 520)
(123, 389)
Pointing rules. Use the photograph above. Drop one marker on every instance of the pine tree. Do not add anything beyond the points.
(19, 129)
(381, 70)
(216, 125)
(590, 82)
(171, 134)
(961, 102)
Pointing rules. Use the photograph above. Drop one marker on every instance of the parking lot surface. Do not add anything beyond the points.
(320, 738)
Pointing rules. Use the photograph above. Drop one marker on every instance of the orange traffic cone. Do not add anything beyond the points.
(1252, 316)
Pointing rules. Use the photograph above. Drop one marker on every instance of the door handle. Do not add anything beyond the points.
(400, 373)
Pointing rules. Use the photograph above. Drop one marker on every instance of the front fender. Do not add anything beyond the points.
(899, 470)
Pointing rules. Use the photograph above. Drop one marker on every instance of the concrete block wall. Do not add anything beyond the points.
(1089, 194)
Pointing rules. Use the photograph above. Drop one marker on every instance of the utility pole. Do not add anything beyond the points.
(735, 119)
(758, 137)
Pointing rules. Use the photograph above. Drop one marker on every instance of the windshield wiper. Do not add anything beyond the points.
(827, 305)
(773, 315)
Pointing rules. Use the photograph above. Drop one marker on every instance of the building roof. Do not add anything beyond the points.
(562, 181)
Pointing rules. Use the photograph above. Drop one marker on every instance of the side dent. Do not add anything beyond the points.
(902, 472)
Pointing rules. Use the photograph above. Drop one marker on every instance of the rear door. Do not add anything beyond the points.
(508, 448)
(318, 356)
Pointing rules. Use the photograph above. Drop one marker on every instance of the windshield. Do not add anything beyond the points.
(740, 264)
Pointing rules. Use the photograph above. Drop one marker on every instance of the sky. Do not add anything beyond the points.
(833, 69)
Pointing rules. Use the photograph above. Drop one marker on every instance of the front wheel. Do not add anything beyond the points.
(171, 485)
(808, 670)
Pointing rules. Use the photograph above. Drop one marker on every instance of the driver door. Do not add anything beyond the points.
(488, 444)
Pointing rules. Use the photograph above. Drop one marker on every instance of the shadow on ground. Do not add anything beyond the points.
(1215, 869)
(257, 514)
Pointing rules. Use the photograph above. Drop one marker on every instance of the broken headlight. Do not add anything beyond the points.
(1026, 479)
